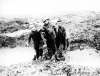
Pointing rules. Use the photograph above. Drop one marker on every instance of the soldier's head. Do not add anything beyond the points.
(46, 21)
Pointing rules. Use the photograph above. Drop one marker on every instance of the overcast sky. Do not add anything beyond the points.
(14, 8)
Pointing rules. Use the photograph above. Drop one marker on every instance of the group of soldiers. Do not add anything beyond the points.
(49, 38)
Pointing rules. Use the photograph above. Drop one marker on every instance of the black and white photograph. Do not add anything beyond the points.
(49, 38)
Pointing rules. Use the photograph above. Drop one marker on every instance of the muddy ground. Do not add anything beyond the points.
(77, 63)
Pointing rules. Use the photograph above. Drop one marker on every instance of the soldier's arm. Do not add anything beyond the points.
(29, 39)
(54, 33)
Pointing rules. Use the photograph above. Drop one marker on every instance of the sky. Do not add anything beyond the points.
(37, 8)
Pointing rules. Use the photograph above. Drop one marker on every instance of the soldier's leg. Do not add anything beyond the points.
(34, 57)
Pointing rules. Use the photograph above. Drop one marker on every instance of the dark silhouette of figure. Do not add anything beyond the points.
(61, 42)
(61, 37)
(38, 43)
(50, 38)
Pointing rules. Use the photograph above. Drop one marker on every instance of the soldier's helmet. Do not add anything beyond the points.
(46, 22)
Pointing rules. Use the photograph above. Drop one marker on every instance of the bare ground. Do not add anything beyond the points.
(77, 63)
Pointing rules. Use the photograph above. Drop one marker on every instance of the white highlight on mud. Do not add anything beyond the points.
(86, 57)
(16, 55)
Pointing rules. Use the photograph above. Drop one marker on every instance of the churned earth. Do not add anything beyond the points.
(18, 62)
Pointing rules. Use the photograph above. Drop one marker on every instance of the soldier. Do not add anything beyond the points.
(50, 38)
(38, 43)
(60, 42)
